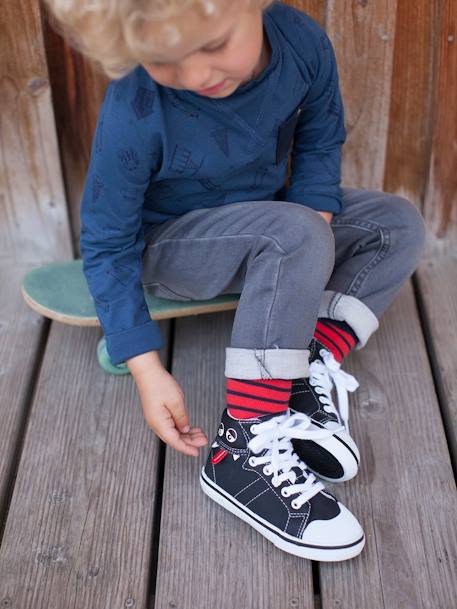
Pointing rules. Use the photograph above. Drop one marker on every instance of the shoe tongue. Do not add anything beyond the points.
(256, 418)
(232, 432)
(270, 415)
(316, 346)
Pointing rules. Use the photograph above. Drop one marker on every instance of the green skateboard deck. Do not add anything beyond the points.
(59, 291)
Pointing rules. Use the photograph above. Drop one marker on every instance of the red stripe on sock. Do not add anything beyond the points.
(268, 390)
(344, 335)
(259, 396)
(330, 346)
(334, 337)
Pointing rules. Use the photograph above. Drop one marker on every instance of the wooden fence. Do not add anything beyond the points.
(398, 68)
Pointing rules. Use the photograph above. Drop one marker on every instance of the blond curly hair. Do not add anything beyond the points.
(111, 32)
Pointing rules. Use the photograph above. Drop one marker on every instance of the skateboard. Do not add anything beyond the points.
(59, 291)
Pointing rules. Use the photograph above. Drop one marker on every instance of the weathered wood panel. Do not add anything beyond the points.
(410, 118)
(79, 88)
(441, 195)
(33, 217)
(314, 8)
(404, 494)
(207, 556)
(437, 280)
(20, 340)
(33, 221)
(81, 518)
(363, 34)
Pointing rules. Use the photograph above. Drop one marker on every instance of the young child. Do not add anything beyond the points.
(185, 195)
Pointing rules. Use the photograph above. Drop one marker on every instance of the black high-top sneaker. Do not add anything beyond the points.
(253, 472)
(335, 458)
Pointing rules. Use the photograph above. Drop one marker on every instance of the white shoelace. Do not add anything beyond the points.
(322, 375)
(275, 435)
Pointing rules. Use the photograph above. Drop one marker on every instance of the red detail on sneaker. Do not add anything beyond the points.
(221, 454)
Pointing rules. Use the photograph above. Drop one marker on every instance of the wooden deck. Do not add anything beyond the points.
(96, 513)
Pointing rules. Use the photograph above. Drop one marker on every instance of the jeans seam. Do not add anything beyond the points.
(333, 304)
(165, 288)
(237, 236)
(380, 254)
(267, 325)
(260, 357)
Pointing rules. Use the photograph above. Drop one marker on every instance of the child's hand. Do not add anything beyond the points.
(164, 410)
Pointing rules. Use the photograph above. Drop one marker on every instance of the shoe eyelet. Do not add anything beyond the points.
(322, 352)
(267, 471)
(293, 503)
(253, 429)
(252, 461)
(275, 482)
(285, 492)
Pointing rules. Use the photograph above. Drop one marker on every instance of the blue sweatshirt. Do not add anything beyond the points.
(160, 152)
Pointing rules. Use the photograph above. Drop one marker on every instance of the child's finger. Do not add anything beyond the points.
(176, 442)
(195, 433)
(196, 430)
(194, 440)
(180, 416)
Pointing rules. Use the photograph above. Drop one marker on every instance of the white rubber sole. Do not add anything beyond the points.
(281, 540)
(342, 448)
(345, 450)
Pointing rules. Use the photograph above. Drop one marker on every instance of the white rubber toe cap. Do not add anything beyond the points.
(342, 531)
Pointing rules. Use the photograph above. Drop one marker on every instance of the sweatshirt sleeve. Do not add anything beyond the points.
(320, 131)
(111, 239)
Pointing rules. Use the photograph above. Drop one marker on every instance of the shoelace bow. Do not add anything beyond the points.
(275, 435)
(324, 375)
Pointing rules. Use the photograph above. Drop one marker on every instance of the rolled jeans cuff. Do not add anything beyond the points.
(266, 363)
(353, 311)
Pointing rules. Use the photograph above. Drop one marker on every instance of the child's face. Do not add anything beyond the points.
(230, 49)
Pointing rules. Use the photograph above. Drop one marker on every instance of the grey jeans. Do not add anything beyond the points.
(290, 267)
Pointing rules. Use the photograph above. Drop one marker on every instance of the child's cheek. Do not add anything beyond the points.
(242, 64)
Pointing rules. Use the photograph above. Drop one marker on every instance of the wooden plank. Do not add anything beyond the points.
(33, 217)
(20, 339)
(314, 8)
(82, 513)
(404, 494)
(78, 86)
(363, 35)
(437, 281)
(410, 126)
(208, 557)
(441, 197)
